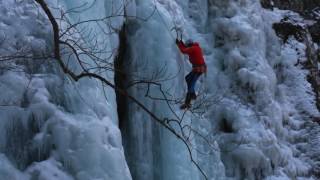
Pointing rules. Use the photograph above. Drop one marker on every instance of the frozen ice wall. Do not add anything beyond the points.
(152, 152)
(269, 102)
(262, 101)
(51, 127)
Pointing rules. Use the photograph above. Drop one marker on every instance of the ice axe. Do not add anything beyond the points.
(178, 30)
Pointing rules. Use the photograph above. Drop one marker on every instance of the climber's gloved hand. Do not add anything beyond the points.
(177, 41)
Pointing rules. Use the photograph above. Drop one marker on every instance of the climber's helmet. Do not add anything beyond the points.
(189, 42)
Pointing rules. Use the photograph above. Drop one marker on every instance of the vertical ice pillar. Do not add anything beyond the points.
(152, 152)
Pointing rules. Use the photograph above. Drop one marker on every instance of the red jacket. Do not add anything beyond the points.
(194, 52)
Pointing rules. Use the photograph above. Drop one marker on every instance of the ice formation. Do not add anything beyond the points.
(54, 128)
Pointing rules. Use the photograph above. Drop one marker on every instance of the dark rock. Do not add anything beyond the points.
(299, 6)
(286, 29)
(308, 9)
(315, 32)
(226, 126)
(316, 120)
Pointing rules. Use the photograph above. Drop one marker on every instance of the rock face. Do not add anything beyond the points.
(314, 30)
(304, 26)
(309, 9)
(294, 5)
(305, 29)
(286, 29)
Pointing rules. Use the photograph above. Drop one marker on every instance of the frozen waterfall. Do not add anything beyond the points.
(254, 101)
(262, 115)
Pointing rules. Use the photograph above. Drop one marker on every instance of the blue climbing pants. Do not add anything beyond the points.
(191, 80)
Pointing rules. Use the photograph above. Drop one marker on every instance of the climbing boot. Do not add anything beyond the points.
(187, 102)
(193, 96)
(185, 106)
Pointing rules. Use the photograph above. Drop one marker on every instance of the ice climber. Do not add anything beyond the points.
(194, 51)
